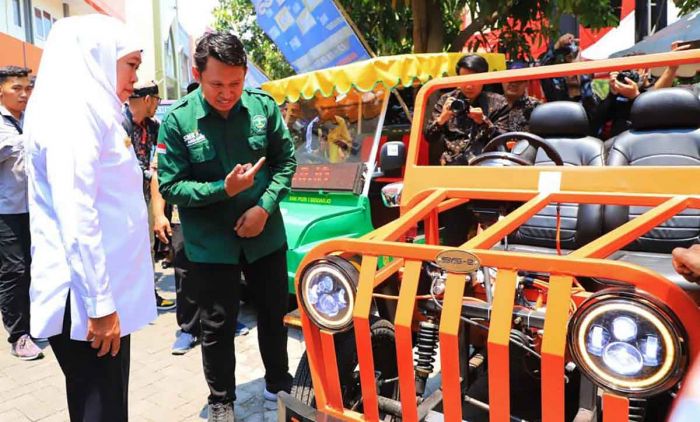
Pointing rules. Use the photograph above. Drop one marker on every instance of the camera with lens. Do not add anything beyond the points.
(458, 106)
(566, 53)
(631, 74)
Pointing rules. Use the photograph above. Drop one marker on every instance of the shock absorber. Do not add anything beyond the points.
(427, 343)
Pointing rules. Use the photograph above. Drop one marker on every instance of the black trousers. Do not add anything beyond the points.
(97, 388)
(187, 311)
(218, 300)
(15, 259)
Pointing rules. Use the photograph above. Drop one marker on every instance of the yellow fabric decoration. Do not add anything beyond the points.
(364, 76)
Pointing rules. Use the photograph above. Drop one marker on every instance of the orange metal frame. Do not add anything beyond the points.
(429, 190)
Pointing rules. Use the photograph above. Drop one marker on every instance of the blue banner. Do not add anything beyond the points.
(312, 34)
(254, 77)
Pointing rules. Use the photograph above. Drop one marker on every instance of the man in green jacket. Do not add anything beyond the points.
(229, 210)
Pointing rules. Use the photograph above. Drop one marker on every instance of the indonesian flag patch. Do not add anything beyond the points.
(160, 149)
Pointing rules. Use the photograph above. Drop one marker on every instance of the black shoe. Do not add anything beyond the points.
(220, 412)
(164, 304)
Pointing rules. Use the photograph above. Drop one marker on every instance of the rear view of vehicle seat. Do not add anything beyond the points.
(564, 125)
(665, 132)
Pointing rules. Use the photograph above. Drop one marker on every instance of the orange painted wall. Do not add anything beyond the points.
(19, 53)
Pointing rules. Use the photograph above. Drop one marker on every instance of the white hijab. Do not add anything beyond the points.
(78, 74)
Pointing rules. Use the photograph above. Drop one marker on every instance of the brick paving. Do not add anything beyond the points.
(163, 387)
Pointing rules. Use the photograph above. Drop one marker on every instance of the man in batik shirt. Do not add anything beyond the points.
(465, 119)
(143, 130)
(520, 105)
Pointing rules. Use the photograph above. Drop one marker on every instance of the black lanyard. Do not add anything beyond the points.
(13, 122)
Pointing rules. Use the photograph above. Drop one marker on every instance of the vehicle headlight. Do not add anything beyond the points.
(327, 289)
(627, 342)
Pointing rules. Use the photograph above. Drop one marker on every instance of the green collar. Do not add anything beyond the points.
(204, 108)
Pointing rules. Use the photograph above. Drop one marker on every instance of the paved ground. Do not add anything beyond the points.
(163, 387)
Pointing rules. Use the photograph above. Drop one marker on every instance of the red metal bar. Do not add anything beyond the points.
(449, 347)
(615, 408)
(498, 343)
(363, 339)
(314, 353)
(404, 339)
(397, 228)
(330, 363)
(554, 348)
(432, 231)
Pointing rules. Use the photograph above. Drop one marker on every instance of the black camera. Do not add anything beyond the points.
(631, 74)
(569, 50)
(458, 106)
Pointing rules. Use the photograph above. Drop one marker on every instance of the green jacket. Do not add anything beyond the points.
(198, 148)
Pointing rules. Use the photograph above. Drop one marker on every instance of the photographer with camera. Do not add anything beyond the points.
(576, 88)
(463, 121)
(612, 116)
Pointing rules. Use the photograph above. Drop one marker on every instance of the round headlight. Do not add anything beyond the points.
(626, 342)
(327, 289)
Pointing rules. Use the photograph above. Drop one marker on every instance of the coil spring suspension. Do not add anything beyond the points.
(638, 409)
(427, 343)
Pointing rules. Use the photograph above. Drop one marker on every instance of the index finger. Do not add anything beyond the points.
(253, 170)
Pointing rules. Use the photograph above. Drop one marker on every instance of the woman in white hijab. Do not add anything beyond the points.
(92, 278)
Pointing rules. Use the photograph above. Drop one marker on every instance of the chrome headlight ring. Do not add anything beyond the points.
(628, 342)
(327, 289)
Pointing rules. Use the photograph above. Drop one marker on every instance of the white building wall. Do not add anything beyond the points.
(139, 19)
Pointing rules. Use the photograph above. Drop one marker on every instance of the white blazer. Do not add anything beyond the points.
(88, 217)
(89, 228)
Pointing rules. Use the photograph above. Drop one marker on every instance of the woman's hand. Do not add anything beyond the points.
(104, 333)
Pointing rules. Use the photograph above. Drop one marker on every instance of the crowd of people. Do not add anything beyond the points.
(86, 188)
(82, 187)
(465, 119)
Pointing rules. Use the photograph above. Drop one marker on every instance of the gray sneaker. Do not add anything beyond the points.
(220, 412)
(183, 343)
(25, 349)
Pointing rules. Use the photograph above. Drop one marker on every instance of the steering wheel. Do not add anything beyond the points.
(490, 154)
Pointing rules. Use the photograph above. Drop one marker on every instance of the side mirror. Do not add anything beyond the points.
(391, 194)
(392, 156)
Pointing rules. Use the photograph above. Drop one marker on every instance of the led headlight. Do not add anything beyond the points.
(327, 289)
(626, 342)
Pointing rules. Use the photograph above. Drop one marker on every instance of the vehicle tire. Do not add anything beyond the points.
(383, 350)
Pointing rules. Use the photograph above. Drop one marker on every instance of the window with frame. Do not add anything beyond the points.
(17, 12)
(43, 22)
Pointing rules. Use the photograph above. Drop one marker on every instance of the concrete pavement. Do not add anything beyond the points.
(163, 387)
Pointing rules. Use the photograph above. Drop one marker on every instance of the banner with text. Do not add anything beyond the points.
(312, 34)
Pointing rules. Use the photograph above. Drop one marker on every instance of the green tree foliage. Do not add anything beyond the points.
(687, 6)
(238, 16)
(404, 26)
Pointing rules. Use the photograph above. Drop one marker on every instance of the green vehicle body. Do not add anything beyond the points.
(313, 217)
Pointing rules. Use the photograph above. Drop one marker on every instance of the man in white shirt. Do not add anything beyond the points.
(14, 217)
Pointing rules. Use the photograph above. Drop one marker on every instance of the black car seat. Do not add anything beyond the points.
(564, 125)
(665, 132)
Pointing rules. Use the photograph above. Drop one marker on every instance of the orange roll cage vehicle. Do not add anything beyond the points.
(563, 305)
